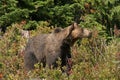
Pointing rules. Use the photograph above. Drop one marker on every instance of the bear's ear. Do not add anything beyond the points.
(73, 26)
(68, 30)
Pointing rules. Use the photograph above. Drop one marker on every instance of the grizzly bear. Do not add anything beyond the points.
(47, 48)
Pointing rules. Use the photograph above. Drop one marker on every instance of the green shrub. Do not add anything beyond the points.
(92, 59)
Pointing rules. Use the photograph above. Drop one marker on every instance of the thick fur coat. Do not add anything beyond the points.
(47, 48)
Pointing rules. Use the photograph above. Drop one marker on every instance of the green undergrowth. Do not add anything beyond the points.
(93, 59)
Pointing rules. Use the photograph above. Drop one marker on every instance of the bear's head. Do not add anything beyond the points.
(72, 33)
(77, 32)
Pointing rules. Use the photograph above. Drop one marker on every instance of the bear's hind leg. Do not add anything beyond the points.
(29, 61)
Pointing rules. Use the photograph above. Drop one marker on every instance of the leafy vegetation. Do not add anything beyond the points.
(94, 59)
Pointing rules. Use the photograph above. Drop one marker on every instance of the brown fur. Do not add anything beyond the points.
(47, 48)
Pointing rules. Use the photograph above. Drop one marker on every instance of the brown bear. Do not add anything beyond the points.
(47, 48)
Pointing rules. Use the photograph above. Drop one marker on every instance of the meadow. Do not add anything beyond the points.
(93, 59)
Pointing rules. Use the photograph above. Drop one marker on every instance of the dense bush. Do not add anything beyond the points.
(61, 13)
(93, 59)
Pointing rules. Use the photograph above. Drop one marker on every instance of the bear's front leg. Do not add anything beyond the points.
(69, 65)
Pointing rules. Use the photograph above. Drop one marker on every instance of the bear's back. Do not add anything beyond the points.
(36, 45)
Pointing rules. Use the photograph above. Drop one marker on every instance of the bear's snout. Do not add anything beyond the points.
(87, 33)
